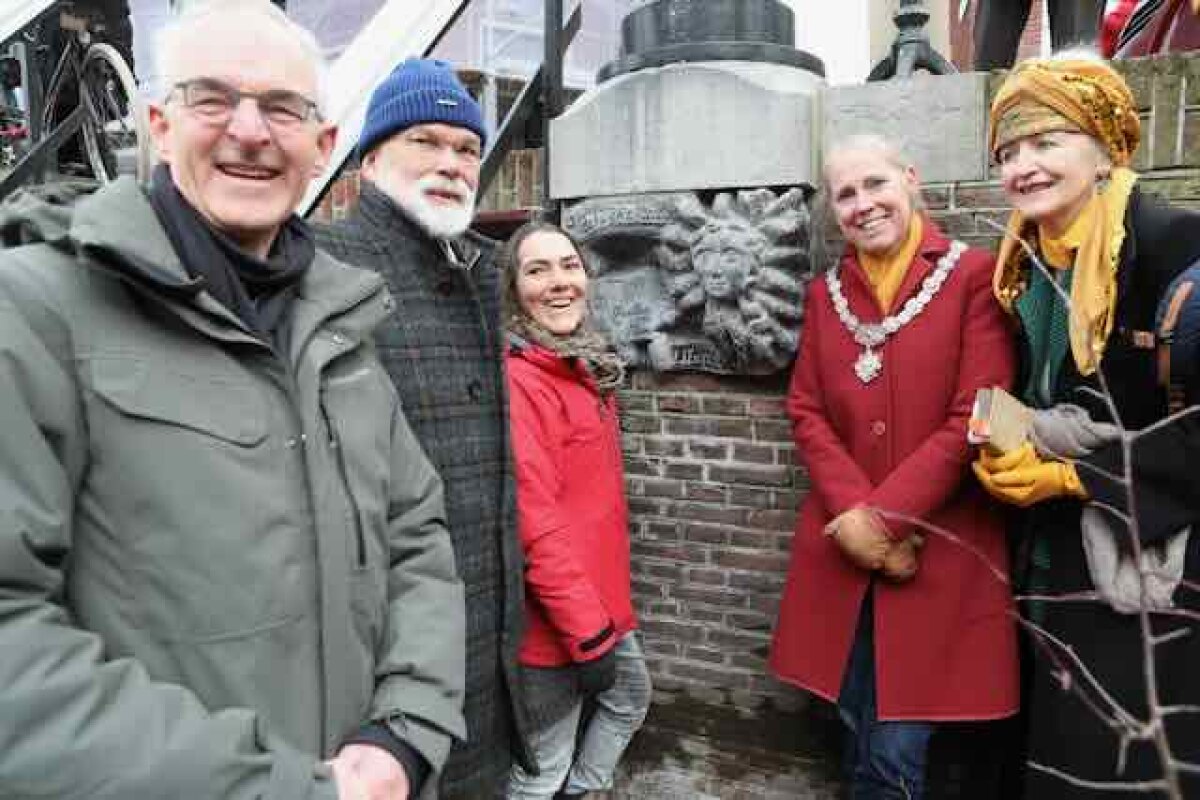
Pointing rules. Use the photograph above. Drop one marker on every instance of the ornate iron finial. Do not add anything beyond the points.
(911, 50)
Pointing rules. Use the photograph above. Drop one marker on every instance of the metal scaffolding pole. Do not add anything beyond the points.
(552, 94)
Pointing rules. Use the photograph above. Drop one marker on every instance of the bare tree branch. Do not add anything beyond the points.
(1146, 787)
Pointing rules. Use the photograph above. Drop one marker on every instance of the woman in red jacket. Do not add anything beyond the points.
(579, 640)
(900, 626)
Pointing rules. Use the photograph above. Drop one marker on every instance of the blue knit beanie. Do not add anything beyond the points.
(418, 91)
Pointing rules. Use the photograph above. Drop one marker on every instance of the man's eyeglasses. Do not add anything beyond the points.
(215, 101)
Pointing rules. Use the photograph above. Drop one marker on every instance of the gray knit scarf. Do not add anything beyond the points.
(584, 344)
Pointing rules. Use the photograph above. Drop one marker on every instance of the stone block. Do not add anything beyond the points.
(770, 430)
(1191, 137)
(936, 197)
(754, 453)
(751, 540)
(706, 493)
(749, 497)
(1191, 75)
(663, 488)
(698, 512)
(704, 125)
(939, 121)
(955, 223)
(1162, 141)
(1139, 74)
(767, 408)
(724, 406)
(776, 563)
(753, 476)
(663, 447)
(706, 534)
(708, 577)
(679, 404)
(640, 423)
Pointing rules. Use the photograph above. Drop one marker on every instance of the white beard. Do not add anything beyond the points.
(440, 222)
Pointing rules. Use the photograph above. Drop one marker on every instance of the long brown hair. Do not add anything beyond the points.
(585, 342)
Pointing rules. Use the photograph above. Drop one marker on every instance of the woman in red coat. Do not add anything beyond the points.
(579, 639)
(901, 626)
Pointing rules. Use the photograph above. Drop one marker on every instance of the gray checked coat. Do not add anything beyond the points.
(443, 348)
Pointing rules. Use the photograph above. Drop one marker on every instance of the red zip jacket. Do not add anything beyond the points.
(571, 509)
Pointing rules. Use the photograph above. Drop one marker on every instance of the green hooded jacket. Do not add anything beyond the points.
(216, 563)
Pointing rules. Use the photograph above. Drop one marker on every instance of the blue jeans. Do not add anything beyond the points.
(589, 766)
(883, 760)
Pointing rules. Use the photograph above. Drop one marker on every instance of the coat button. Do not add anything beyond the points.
(475, 391)
(878, 427)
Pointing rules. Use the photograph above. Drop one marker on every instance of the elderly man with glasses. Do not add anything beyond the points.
(224, 566)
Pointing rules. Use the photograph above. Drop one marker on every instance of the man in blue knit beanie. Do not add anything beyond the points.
(421, 144)
(420, 152)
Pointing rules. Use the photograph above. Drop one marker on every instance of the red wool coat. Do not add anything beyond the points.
(945, 645)
(571, 510)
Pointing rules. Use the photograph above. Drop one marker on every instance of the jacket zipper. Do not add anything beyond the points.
(335, 445)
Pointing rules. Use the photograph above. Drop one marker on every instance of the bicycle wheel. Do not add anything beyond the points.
(114, 129)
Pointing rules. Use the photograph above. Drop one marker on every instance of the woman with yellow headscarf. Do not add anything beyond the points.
(1087, 258)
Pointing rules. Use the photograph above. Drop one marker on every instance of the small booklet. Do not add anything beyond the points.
(999, 421)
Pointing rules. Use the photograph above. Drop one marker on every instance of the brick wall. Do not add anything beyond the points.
(713, 489)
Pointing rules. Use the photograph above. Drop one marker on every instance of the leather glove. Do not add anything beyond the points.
(862, 537)
(1022, 478)
(599, 674)
(901, 562)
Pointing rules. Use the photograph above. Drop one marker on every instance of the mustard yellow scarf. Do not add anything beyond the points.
(1097, 248)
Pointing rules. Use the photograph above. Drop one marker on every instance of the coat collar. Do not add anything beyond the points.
(934, 245)
(117, 231)
(549, 361)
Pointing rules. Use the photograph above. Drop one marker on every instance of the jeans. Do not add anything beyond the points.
(883, 760)
(589, 766)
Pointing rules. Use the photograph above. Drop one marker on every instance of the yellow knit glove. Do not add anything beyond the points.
(1023, 456)
(1022, 478)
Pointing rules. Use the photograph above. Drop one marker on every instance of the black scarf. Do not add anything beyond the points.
(259, 292)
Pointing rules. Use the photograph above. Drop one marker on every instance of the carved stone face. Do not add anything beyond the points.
(724, 258)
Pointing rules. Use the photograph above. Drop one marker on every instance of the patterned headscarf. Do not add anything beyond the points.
(1089, 97)
(1042, 95)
